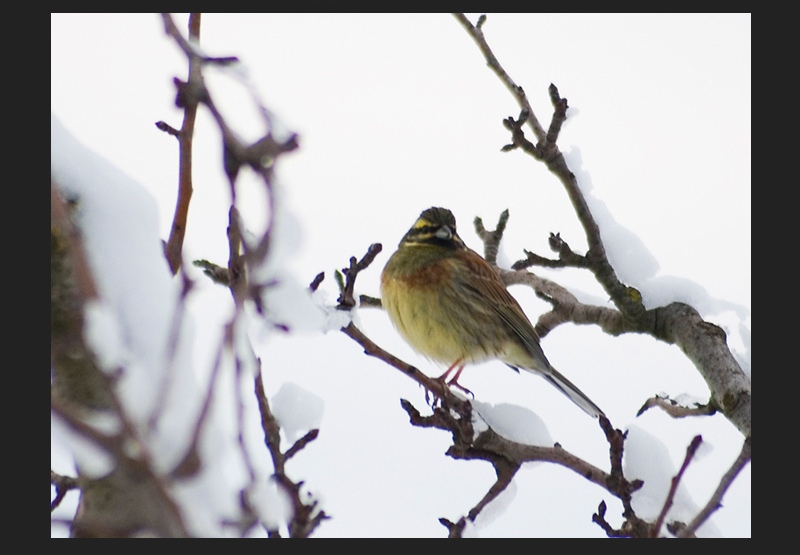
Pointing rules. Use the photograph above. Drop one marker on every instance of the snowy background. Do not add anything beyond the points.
(397, 113)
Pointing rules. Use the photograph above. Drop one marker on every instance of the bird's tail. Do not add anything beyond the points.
(568, 388)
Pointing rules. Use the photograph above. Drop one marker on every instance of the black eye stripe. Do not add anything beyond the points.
(426, 235)
(422, 231)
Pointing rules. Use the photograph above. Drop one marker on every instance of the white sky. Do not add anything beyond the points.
(397, 113)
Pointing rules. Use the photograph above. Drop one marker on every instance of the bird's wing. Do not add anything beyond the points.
(485, 283)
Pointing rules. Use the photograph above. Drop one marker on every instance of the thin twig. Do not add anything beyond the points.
(436, 387)
(306, 518)
(190, 462)
(63, 484)
(346, 300)
(174, 246)
(476, 32)
(690, 452)
(491, 239)
(675, 410)
(172, 348)
(260, 156)
(716, 499)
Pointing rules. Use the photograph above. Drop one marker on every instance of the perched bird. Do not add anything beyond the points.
(450, 305)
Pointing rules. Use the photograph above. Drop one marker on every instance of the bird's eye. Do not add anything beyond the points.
(444, 233)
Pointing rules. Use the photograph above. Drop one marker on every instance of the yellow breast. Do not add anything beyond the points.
(424, 303)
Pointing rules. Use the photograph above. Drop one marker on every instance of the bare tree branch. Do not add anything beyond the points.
(306, 517)
(477, 35)
(132, 496)
(674, 409)
(174, 246)
(63, 484)
(259, 156)
(677, 323)
(716, 499)
(690, 452)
